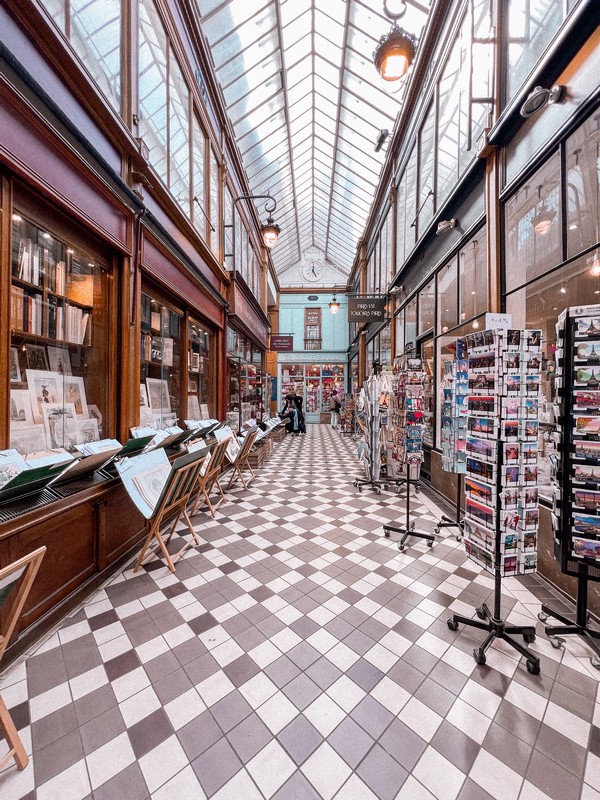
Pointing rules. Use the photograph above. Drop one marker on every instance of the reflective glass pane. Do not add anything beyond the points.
(96, 38)
(152, 77)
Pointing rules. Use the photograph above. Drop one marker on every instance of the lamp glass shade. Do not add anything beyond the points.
(394, 54)
(595, 268)
(334, 306)
(270, 234)
(542, 222)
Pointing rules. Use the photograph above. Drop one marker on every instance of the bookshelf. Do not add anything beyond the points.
(59, 340)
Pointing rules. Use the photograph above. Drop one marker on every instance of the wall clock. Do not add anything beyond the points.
(312, 271)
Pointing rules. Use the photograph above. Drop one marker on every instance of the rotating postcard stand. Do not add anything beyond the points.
(576, 478)
(454, 429)
(413, 467)
(405, 444)
(501, 503)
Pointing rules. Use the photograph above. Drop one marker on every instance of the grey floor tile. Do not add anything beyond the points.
(457, 747)
(297, 788)
(129, 783)
(100, 730)
(230, 711)
(351, 741)
(199, 734)
(372, 716)
(249, 737)
(216, 766)
(149, 732)
(300, 738)
(403, 744)
(551, 778)
(381, 773)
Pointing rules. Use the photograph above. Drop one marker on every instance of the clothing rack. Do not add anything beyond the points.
(371, 425)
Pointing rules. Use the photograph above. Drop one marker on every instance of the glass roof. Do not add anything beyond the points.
(307, 106)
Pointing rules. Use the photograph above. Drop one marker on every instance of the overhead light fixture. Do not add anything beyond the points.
(595, 268)
(381, 139)
(334, 305)
(270, 230)
(395, 50)
(445, 225)
(540, 97)
(396, 289)
(17, 218)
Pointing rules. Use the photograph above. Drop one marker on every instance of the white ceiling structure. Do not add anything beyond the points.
(307, 106)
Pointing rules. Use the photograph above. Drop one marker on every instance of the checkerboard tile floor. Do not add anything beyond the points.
(296, 654)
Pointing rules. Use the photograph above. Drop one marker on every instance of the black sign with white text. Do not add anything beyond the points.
(366, 309)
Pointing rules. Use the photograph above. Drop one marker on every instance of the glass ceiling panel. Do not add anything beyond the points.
(306, 106)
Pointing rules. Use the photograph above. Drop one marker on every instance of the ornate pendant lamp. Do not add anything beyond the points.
(396, 50)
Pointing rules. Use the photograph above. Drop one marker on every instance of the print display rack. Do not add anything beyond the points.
(375, 393)
(501, 502)
(576, 478)
(405, 442)
(455, 388)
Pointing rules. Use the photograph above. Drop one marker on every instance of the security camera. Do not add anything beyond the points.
(445, 225)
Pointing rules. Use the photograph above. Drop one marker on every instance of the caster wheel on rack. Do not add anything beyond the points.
(533, 667)
(479, 656)
(429, 544)
(542, 617)
(528, 638)
(386, 533)
(378, 491)
(595, 662)
(360, 489)
(385, 487)
(452, 624)
(480, 613)
(436, 531)
(556, 642)
(401, 548)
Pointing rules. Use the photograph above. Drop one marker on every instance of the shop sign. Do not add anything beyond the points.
(281, 344)
(318, 357)
(312, 298)
(366, 309)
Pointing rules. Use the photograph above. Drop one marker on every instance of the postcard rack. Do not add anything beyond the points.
(576, 477)
(405, 438)
(455, 388)
(501, 502)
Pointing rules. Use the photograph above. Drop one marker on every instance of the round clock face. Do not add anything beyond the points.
(312, 271)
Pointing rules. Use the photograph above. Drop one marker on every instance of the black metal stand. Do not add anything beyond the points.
(409, 528)
(579, 626)
(459, 523)
(493, 623)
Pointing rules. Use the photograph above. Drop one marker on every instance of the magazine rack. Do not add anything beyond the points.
(209, 478)
(18, 577)
(371, 425)
(172, 504)
(241, 461)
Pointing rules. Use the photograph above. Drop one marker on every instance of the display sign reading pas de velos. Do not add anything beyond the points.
(366, 308)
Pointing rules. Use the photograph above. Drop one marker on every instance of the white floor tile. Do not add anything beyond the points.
(438, 775)
(108, 760)
(326, 771)
(183, 786)
(420, 718)
(162, 763)
(270, 768)
(496, 778)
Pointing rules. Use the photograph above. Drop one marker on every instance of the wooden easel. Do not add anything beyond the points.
(23, 573)
(173, 502)
(210, 478)
(241, 461)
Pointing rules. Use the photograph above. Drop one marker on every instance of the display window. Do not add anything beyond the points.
(246, 379)
(59, 355)
(201, 380)
(161, 373)
(427, 307)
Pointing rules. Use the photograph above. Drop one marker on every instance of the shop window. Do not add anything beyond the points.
(160, 364)
(59, 372)
(427, 307)
(447, 291)
(531, 24)
(538, 305)
(292, 378)
(93, 27)
(410, 324)
(583, 186)
(312, 329)
(533, 241)
(399, 333)
(385, 346)
(427, 350)
(473, 277)
(201, 380)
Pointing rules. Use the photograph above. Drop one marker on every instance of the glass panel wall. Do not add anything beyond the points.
(93, 28)
(427, 307)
